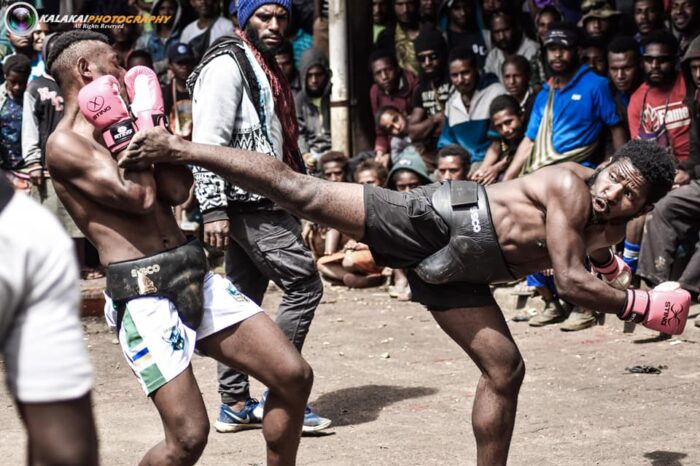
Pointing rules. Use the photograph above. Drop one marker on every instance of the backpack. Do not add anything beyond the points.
(200, 44)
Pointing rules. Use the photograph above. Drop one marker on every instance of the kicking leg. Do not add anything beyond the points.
(258, 347)
(185, 422)
(482, 332)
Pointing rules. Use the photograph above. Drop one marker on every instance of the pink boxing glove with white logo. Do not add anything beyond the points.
(616, 273)
(144, 92)
(101, 104)
(665, 308)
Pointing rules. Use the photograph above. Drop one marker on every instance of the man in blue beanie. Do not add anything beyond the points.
(240, 78)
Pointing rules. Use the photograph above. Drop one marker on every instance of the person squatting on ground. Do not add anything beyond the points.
(47, 367)
(160, 296)
(553, 218)
(240, 78)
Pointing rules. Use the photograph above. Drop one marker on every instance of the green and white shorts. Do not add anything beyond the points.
(155, 342)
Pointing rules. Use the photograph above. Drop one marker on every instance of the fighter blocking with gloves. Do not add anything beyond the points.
(162, 300)
(458, 237)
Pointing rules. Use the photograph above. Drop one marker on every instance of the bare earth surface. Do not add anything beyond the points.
(400, 393)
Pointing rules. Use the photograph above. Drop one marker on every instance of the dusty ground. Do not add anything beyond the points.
(400, 393)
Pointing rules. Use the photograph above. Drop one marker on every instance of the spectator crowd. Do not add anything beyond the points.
(482, 90)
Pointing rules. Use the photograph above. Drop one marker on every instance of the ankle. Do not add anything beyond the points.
(236, 405)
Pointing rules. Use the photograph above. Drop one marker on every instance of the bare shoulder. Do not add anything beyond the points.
(67, 152)
(562, 179)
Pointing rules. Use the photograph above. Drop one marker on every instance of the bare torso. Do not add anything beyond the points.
(518, 210)
(122, 213)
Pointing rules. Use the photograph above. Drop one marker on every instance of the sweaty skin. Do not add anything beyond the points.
(543, 220)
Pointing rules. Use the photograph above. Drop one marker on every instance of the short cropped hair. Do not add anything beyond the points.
(520, 62)
(664, 37)
(383, 54)
(376, 167)
(333, 156)
(504, 102)
(18, 63)
(455, 150)
(624, 44)
(462, 53)
(653, 162)
(66, 49)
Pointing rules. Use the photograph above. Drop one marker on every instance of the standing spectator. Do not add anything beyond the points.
(593, 53)
(569, 112)
(453, 163)
(380, 17)
(163, 36)
(399, 36)
(139, 57)
(262, 242)
(392, 87)
(176, 98)
(516, 80)
(313, 106)
(598, 19)
(38, 36)
(17, 69)
(685, 20)
(467, 111)
(461, 28)
(428, 12)
(433, 89)
(123, 40)
(648, 16)
(625, 71)
(208, 26)
(538, 64)
(508, 40)
(320, 27)
(393, 124)
(285, 60)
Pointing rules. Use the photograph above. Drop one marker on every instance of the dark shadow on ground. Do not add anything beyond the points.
(665, 458)
(357, 405)
(656, 339)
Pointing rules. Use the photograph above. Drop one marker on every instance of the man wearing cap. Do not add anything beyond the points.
(176, 98)
(565, 125)
(597, 20)
(241, 99)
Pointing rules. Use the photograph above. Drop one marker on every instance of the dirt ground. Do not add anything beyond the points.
(400, 392)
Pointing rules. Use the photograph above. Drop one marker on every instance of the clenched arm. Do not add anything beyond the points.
(92, 171)
(568, 208)
(173, 183)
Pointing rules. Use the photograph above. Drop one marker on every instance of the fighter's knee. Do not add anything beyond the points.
(508, 378)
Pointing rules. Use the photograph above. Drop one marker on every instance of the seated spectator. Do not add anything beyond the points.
(625, 71)
(208, 27)
(139, 58)
(17, 69)
(158, 41)
(313, 107)
(599, 19)
(459, 20)
(538, 63)
(355, 266)
(685, 21)
(433, 89)
(508, 40)
(394, 124)
(284, 56)
(399, 35)
(507, 119)
(593, 53)
(453, 163)
(648, 16)
(516, 80)
(467, 111)
(176, 98)
(392, 86)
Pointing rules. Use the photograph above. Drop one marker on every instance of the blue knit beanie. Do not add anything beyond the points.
(247, 7)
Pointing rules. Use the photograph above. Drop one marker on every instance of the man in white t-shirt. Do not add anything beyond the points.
(208, 13)
(48, 371)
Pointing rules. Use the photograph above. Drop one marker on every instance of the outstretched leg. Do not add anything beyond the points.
(258, 347)
(482, 332)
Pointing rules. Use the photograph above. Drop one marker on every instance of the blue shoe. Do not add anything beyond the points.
(313, 422)
(235, 421)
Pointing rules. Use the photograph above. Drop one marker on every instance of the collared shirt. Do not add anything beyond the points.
(470, 128)
(580, 110)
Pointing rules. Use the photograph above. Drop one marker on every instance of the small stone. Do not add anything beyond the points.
(385, 356)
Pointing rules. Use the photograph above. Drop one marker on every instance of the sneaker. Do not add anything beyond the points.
(313, 422)
(551, 314)
(579, 319)
(235, 421)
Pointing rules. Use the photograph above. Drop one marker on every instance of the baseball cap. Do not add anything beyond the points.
(180, 52)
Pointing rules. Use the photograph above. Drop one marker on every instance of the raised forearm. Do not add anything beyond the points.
(584, 289)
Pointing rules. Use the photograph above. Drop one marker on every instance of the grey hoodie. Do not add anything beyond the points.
(314, 122)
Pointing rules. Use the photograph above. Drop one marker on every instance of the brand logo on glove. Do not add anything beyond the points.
(96, 104)
(125, 130)
(671, 309)
(474, 214)
(150, 270)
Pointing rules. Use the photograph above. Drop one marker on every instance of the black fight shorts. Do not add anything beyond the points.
(402, 229)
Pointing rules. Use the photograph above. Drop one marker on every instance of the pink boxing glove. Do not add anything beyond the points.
(665, 308)
(101, 104)
(616, 273)
(146, 98)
